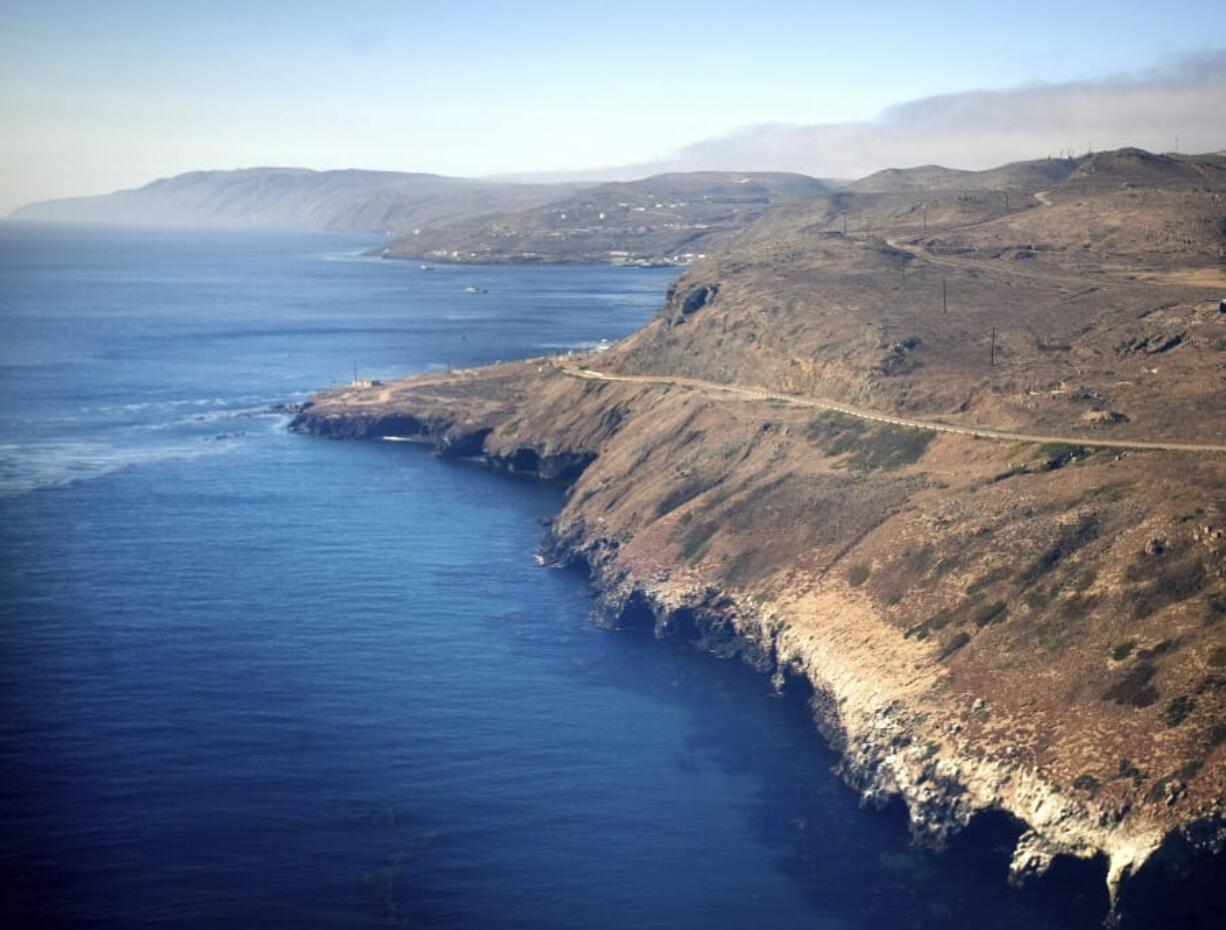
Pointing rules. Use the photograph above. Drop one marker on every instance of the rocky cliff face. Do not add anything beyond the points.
(964, 634)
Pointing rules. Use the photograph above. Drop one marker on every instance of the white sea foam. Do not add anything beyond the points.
(26, 467)
(358, 256)
(259, 411)
(580, 346)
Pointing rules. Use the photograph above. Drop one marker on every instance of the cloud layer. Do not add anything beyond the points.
(1182, 103)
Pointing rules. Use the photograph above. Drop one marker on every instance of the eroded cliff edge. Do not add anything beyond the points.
(976, 643)
(988, 626)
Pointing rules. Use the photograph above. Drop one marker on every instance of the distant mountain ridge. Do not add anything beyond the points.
(672, 218)
(349, 199)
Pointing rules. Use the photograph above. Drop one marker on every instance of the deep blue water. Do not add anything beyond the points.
(253, 679)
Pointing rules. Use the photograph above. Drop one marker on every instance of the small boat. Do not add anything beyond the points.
(427, 267)
(473, 289)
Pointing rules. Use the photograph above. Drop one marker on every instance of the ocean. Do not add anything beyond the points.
(256, 679)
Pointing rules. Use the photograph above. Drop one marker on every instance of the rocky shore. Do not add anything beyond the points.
(882, 694)
(993, 627)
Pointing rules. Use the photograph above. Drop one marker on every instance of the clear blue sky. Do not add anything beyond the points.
(95, 95)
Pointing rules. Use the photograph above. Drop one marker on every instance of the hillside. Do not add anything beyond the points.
(368, 201)
(1022, 175)
(1026, 624)
(1122, 166)
(664, 219)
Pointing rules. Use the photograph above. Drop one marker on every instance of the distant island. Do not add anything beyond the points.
(944, 449)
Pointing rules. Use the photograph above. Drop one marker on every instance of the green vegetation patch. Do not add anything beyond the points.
(1038, 599)
(1069, 541)
(1078, 607)
(1052, 635)
(732, 449)
(889, 449)
(1059, 454)
(1158, 649)
(1113, 491)
(689, 488)
(971, 609)
(867, 449)
(1087, 783)
(1177, 710)
(742, 568)
(956, 642)
(835, 432)
(1130, 771)
(858, 574)
(923, 630)
(1169, 580)
(696, 537)
(998, 574)
(1217, 610)
(1172, 785)
(1060, 448)
(1011, 473)
(990, 613)
(1134, 689)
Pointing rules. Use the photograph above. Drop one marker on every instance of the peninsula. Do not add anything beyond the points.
(946, 450)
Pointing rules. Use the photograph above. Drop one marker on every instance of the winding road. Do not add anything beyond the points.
(862, 413)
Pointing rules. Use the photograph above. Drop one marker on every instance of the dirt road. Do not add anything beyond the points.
(751, 393)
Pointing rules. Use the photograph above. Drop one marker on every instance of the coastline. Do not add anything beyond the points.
(935, 471)
(901, 735)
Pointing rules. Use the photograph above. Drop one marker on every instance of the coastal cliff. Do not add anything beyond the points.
(991, 625)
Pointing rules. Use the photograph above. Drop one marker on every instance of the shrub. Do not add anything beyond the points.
(1087, 783)
(1130, 771)
(957, 642)
(1177, 710)
(990, 613)
(684, 492)
(1134, 688)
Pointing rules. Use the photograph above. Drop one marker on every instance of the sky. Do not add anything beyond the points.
(96, 96)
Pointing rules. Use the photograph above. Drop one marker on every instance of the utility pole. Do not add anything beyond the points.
(925, 217)
(844, 222)
(993, 355)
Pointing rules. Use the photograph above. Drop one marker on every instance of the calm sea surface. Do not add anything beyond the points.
(253, 679)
